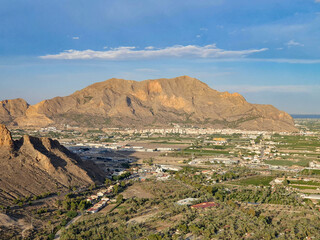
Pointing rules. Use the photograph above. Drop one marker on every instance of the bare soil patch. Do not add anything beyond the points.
(145, 217)
(136, 190)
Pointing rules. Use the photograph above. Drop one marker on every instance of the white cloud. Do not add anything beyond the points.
(198, 36)
(149, 48)
(178, 51)
(75, 38)
(292, 43)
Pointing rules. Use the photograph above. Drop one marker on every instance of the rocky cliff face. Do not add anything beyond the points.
(37, 165)
(5, 137)
(184, 100)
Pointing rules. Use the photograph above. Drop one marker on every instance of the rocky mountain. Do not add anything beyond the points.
(184, 100)
(11, 109)
(32, 166)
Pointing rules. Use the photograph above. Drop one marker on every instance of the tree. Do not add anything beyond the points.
(73, 206)
(65, 205)
(148, 161)
(154, 237)
(286, 182)
(115, 189)
(107, 182)
(82, 205)
(119, 198)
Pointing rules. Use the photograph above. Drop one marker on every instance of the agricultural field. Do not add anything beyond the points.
(255, 181)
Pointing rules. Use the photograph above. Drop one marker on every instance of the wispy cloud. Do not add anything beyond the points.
(178, 51)
(293, 43)
(75, 38)
(317, 1)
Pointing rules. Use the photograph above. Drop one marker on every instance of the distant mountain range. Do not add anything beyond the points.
(33, 166)
(152, 103)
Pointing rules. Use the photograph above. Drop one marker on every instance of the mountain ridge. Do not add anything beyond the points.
(157, 102)
(32, 166)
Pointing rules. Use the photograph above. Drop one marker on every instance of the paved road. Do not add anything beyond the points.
(58, 234)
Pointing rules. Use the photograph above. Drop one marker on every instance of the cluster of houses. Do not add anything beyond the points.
(197, 131)
(314, 165)
(226, 161)
(217, 141)
(102, 199)
(160, 172)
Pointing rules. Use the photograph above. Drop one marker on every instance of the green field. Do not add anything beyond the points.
(301, 182)
(303, 163)
(303, 187)
(310, 172)
(256, 181)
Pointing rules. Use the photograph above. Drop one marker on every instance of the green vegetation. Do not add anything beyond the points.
(256, 181)
(247, 206)
(303, 187)
(303, 163)
(301, 182)
(310, 172)
(148, 161)
(122, 176)
(228, 220)
(73, 203)
(29, 199)
(265, 195)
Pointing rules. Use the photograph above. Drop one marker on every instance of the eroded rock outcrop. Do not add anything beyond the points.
(5, 137)
(34, 165)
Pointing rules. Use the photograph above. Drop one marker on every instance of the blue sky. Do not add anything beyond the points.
(267, 50)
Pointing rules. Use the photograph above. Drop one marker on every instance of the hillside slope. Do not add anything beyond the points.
(32, 166)
(11, 109)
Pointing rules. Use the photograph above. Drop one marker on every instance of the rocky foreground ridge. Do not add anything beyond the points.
(32, 166)
(118, 102)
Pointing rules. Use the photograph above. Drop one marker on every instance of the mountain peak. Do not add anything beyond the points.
(156, 102)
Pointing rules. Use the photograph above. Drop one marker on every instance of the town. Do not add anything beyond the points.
(199, 168)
